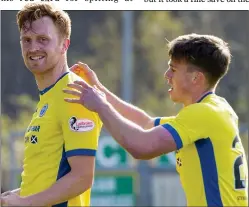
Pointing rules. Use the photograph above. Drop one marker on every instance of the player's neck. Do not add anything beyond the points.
(51, 76)
(197, 96)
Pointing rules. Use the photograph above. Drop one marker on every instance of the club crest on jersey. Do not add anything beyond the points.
(80, 125)
(43, 110)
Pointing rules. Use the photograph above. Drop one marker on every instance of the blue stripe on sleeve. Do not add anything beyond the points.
(77, 152)
(174, 134)
(157, 121)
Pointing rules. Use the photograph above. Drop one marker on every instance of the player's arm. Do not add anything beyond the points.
(77, 181)
(140, 143)
(184, 129)
(127, 110)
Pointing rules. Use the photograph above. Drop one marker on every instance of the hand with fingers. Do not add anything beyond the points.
(12, 199)
(84, 71)
(90, 97)
(3, 198)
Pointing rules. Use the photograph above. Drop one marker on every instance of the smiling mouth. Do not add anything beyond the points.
(36, 57)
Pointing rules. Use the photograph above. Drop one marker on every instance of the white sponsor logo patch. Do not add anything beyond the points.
(80, 125)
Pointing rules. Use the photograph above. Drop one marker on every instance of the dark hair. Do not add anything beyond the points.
(208, 53)
(34, 11)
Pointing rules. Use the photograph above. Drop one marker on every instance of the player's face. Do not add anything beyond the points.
(180, 81)
(42, 47)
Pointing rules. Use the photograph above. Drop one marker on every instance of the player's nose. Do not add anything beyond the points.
(167, 74)
(34, 47)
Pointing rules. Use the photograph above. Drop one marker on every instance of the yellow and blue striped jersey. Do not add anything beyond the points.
(58, 130)
(210, 157)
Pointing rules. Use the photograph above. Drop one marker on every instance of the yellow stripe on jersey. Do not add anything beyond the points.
(212, 168)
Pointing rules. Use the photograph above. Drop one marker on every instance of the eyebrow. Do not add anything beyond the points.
(39, 35)
(23, 36)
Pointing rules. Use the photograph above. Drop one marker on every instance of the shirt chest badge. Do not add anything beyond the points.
(34, 139)
(43, 110)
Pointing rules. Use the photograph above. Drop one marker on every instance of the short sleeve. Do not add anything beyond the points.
(163, 120)
(191, 124)
(81, 130)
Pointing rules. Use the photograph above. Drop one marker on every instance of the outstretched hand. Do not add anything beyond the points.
(90, 97)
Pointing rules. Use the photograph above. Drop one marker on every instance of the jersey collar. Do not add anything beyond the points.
(205, 95)
(48, 88)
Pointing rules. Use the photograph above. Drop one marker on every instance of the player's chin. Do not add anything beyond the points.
(174, 98)
(38, 69)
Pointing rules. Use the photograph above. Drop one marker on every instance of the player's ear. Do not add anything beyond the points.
(198, 77)
(194, 77)
(65, 45)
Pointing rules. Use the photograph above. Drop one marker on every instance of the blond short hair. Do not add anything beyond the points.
(34, 11)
